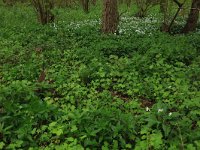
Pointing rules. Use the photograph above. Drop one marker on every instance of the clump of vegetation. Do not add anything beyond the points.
(65, 85)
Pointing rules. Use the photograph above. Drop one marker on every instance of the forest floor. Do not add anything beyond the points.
(67, 86)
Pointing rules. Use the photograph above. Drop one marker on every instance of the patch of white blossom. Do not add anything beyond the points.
(160, 110)
(126, 25)
(139, 25)
(80, 24)
(147, 109)
(170, 113)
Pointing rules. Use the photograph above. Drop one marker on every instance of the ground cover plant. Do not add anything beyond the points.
(65, 85)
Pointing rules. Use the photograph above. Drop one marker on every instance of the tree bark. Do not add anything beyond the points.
(164, 10)
(110, 19)
(8, 2)
(85, 5)
(43, 9)
(193, 17)
(128, 3)
(94, 2)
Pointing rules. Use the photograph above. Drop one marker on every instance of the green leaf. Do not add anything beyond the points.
(166, 129)
(2, 144)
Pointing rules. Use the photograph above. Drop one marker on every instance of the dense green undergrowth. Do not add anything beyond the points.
(136, 90)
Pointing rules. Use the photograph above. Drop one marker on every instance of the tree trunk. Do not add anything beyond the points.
(43, 9)
(128, 3)
(94, 2)
(110, 19)
(164, 10)
(193, 17)
(85, 5)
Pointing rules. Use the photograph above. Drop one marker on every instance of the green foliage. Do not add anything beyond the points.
(134, 90)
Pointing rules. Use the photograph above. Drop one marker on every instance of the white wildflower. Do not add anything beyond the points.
(147, 109)
(170, 113)
(55, 26)
(120, 31)
(160, 110)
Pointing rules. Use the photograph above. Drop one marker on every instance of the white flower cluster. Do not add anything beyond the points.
(140, 26)
(159, 110)
(126, 25)
(79, 24)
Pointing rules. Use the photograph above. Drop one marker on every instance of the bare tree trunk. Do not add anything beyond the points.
(193, 17)
(128, 3)
(164, 10)
(43, 9)
(110, 19)
(94, 2)
(180, 7)
(85, 5)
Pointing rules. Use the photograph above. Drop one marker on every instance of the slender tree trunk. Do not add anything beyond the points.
(193, 17)
(94, 2)
(85, 5)
(110, 19)
(128, 3)
(164, 10)
(180, 7)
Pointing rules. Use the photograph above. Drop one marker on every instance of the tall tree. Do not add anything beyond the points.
(43, 9)
(110, 18)
(85, 5)
(128, 3)
(180, 7)
(94, 2)
(193, 17)
(143, 6)
(164, 10)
